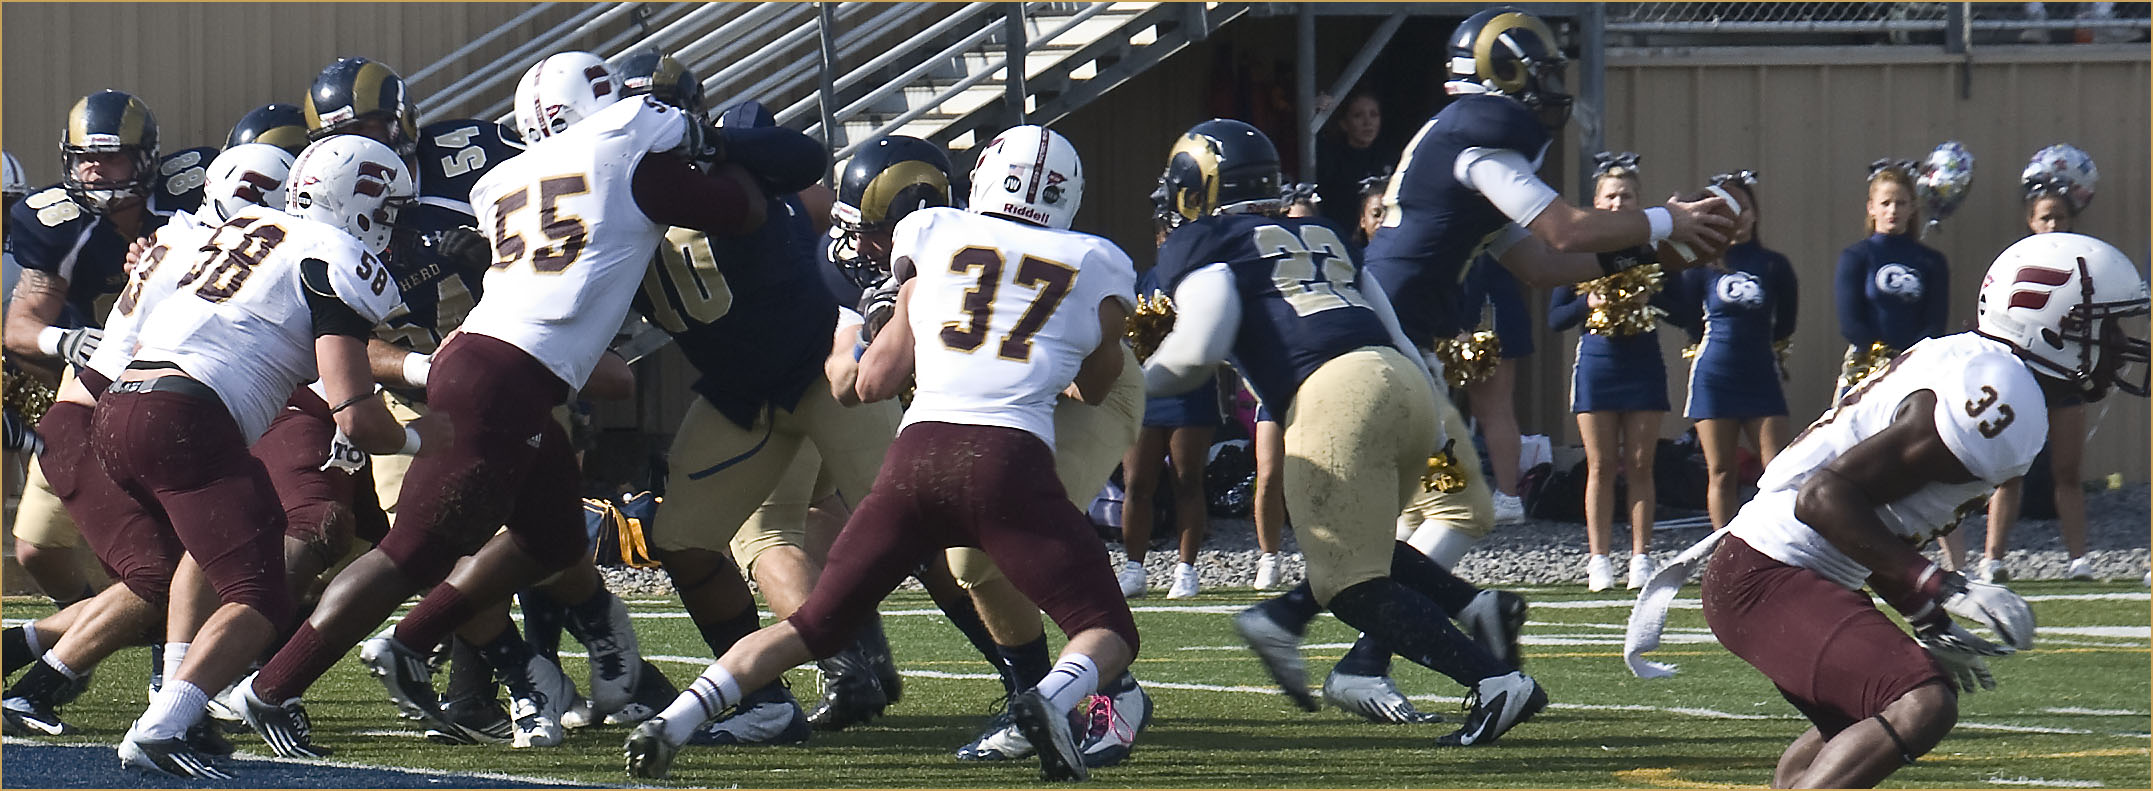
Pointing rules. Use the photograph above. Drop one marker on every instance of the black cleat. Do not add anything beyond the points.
(207, 738)
(476, 721)
(649, 754)
(851, 693)
(1048, 731)
(168, 757)
(26, 717)
(284, 726)
(1494, 619)
(1495, 705)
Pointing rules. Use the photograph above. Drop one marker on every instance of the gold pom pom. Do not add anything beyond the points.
(28, 395)
(1443, 474)
(1154, 318)
(1470, 360)
(1868, 362)
(1626, 309)
(1780, 349)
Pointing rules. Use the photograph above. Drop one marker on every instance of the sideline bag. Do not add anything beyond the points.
(616, 531)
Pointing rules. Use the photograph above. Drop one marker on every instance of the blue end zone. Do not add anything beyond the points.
(26, 764)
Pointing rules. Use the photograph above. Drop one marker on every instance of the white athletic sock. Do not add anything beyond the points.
(173, 710)
(714, 691)
(175, 654)
(30, 638)
(53, 659)
(1071, 681)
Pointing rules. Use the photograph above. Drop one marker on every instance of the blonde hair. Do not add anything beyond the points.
(1892, 175)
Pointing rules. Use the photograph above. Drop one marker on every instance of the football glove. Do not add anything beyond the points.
(1961, 653)
(1993, 606)
(343, 455)
(76, 345)
(877, 306)
(468, 248)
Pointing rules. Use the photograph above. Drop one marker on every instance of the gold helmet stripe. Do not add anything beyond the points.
(875, 200)
(1490, 37)
(1205, 153)
(366, 89)
(283, 137)
(134, 121)
(665, 76)
(78, 122)
(313, 116)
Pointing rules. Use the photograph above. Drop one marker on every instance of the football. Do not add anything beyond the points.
(1676, 256)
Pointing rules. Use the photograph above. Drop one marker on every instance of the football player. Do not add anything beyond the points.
(71, 239)
(1895, 463)
(276, 298)
(1286, 301)
(280, 125)
(591, 197)
(125, 537)
(973, 464)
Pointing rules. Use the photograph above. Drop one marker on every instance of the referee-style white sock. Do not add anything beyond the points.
(173, 710)
(175, 654)
(1072, 680)
(714, 691)
(53, 659)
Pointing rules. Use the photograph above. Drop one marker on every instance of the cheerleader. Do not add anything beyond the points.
(1746, 306)
(1177, 437)
(1891, 289)
(1491, 400)
(1618, 390)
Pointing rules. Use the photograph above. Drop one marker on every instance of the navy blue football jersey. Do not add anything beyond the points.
(1433, 226)
(1299, 284)
(50, 232)
(751, 313)
(453, 154)
(438, 293)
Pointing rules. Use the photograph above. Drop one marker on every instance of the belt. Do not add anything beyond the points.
(177, 385)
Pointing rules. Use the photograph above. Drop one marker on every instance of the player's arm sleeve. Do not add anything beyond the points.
(1207, 315)
(1992, 416)
(333, 315)
(671, 191)
(783, 160)
(1936, 296)
(1506, 179)
(1786, 299)
(1566, 308)
(1850, 294)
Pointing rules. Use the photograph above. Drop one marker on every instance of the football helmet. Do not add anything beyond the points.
(888, 179)
(14, 183)
(1029, 173)
(560, 90)
(104, 122)
(648, 71)
(1508, 52)
(1220, 166)
(352, 182)
(248, 174)
(2062, 301)
(280, 125)
(357, 89)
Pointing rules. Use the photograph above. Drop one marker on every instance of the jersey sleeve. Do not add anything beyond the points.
(362, 281)
(44, 227)
(1497, 122)
(1117, 274)
(1992, 416)
(1187, 249)
(908, 242)
(181, 177)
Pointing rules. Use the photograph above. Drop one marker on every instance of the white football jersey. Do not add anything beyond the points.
(1002, 315)
(238, 320)
(1989, 412)
(570, 244)
(148, 284)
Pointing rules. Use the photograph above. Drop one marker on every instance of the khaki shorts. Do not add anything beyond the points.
(41, 520)
(1089, 442)
(782, 519)
(1470, 510)
(722, 473)
(1357, 442)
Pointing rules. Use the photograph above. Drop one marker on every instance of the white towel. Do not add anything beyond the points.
(1649, 616)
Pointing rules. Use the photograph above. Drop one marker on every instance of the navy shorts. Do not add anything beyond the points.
(1198, 407)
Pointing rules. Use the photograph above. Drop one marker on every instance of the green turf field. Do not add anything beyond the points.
(2072, 713)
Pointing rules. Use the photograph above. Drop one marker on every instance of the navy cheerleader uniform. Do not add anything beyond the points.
(1488, 284)
(1614, 373)
(1198, 407)
(1744, 309)
(1894, 289)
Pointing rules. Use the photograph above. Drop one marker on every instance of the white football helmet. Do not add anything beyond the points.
(2063, 300)
(1029, 173)
(561, 90)
(248, 174)
(14, 183)
(353, 183)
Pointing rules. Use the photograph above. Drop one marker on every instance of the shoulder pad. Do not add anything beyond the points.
(1187, 249)
(1991, 413)
(53, 208)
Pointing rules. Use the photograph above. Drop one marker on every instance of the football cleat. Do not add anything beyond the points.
(476, 720)
(653, 693)
(73, 689)
(228, 710)
(1280, 651)
(649, 754)
(1131, 579)
(1495, 619)
(21, 716)
(1112, 721)
(405, 674)
(168, 757)
(284, 726)
(580, 714)
(876, 647)
(1374, 698)
(208, 739)
(1992, 570)
(999, 741)
(538, 695)
(766, 717)
(616, 658)
(1494, 706)
(1186, 582)
(1048, 730)
(851, 693)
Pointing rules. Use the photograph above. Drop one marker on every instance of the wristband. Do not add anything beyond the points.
(416, 368)
(411, 442)
(1507, 238)
(48, 340)
(1663, 224)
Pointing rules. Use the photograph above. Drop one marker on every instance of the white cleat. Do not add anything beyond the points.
(2081, 569)
(1280, 652)
(1374, 698)
(539, 697)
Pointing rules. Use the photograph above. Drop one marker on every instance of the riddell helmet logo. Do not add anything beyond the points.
(1026, 212)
